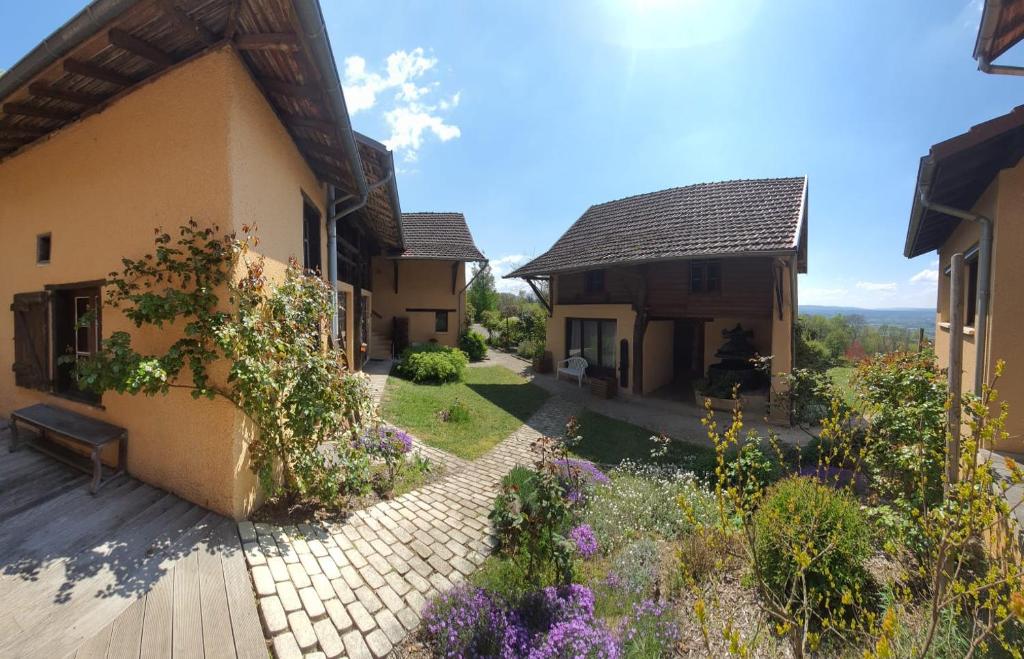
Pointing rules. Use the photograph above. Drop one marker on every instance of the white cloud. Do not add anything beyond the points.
(930, 276)
(877, 286)
(502, 266)
(410, 114)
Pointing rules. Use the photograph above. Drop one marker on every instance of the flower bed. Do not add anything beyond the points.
(848, 548)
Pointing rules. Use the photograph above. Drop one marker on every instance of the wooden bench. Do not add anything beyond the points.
(79, 429)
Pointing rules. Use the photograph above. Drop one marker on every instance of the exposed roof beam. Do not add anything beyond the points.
(290, 89)
(26, 132)
(319, 149)
(184, 20)
(11, 144)
(44, 113)
(267, 41)
(140, 48)
(97, 73)
(43, 89)
(232, 25)
(305, 122)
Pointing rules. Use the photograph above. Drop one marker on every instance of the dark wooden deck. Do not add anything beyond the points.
(131, 572)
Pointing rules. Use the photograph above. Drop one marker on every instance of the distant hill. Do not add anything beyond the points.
(909, 318)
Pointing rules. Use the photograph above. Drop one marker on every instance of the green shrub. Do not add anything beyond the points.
(812, 543)
(473, 344)
(430, 362)
(530, 514)
(530, 349)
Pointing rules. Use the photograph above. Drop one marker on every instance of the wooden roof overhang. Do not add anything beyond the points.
(957, 172)
(383, 211)
(1002, 26)
(113, 46)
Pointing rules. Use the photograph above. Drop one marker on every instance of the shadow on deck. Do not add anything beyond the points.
(132, 571)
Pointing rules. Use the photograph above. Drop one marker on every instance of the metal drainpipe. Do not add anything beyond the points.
(984, 281)
(332, 239)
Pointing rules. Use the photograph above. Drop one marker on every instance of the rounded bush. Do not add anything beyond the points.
(811, 531)
(474, 345)
(430, 362)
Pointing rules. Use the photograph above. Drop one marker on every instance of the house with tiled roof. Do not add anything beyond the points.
(644, 287)
(967, 200)
(136, 115)
(420, 290)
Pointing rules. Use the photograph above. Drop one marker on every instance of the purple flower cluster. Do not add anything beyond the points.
(468, 622)
(586, 542)
(550, 623)
(578, 478)
(578, 637)
(584, 470)
(385, 441)
(651, 625)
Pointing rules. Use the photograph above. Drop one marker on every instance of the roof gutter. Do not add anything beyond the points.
(986, 35)
(82, 25)
(984, 267)
(311, 20)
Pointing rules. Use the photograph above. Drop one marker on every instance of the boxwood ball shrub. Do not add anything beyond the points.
(811, 535)
(430, 362)
(473, 344)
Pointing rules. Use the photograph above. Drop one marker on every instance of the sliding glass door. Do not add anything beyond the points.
(594, 340)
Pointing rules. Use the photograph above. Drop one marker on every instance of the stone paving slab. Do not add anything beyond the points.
(358, 588)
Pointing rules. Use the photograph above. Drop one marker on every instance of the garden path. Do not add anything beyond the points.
(358, 588)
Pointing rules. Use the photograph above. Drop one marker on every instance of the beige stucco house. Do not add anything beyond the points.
(136, 115)
(968, 198)
(643, 287)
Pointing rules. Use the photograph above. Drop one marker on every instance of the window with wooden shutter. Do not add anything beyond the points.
(76, 333)
(32, 340)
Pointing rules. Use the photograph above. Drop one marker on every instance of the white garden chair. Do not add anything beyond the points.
(574, 367)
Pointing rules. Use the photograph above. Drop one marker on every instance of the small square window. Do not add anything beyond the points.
(440, 321)
(43, 243)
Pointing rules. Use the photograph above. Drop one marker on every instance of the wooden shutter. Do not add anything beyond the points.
(32, 340)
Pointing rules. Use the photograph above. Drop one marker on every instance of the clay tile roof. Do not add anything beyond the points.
(707, 219)
(438, 236)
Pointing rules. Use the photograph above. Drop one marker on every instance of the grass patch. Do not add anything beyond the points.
(610, 441)
(497, 400)
(842, 375)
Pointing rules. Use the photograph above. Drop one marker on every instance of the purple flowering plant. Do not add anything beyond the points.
(386, 443)
(586, 542)
(651, 630)
(469, 622)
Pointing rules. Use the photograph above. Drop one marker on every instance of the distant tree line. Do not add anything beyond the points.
(826, 341)
(514, 321)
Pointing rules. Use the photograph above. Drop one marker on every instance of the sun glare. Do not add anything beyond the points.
(669, 24)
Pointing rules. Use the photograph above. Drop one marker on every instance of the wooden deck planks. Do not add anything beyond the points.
(139, 572)
(96, 647)
(218, 640)
(188, 625)
(156, 625)
(126, 635)
(245, 621)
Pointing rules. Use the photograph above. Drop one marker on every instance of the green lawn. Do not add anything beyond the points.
(610, 441)
(841, 376)
(499, 401)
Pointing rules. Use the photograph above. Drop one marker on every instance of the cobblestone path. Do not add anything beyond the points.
(357, 589)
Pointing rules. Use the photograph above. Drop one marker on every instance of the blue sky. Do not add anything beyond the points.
(523, 114)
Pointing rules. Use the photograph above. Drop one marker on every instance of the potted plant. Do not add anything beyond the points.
(543, 363)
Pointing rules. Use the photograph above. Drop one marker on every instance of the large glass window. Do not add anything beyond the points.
(594, 340)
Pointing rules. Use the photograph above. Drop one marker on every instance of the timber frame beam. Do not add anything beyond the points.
(536, 291)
